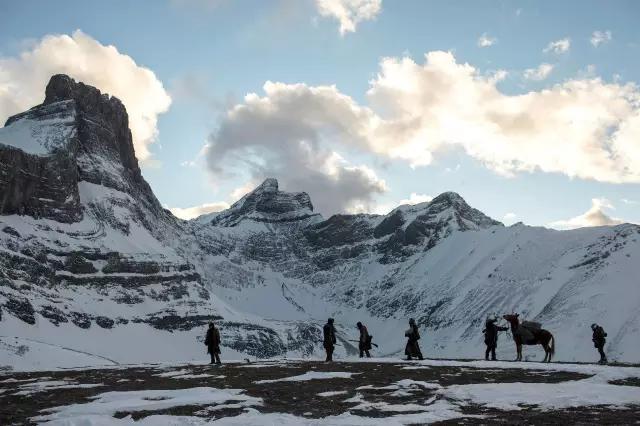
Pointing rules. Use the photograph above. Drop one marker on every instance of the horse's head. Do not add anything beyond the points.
(511, 318)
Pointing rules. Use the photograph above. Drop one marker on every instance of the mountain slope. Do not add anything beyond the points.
(91, 262)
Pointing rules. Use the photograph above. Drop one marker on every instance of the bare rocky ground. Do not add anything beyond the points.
(301, 398)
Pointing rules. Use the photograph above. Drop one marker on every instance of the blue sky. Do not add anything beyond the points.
(208, 54)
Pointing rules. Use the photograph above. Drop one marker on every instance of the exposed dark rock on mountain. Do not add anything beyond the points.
(43, 184)
(266, 204)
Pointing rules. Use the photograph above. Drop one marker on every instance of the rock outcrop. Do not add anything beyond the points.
(266, 204)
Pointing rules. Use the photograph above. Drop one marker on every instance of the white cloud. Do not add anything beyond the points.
(23, 80)
(415, 198)
(558, 46)
(193, 212)
(509, 218)
(584, 128)
(595, 216)
(486, 41)
(600, 37)
(349, 12)
(385, 208)
(284, 135)
(630, 202)
(539, 73)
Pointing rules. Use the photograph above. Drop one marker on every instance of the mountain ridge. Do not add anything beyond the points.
(100, 255)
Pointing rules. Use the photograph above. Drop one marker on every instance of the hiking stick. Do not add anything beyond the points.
(358, 341)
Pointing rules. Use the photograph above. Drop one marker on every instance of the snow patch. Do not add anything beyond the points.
(311, 375)
(107, 404)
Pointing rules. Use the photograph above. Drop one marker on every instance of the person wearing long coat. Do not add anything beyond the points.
(491, 338)
(329, 339)
(364, 343)
(212, 340)
(412, 349)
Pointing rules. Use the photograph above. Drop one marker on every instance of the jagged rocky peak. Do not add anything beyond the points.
(99, 113)
(427, 223)
(77, 134)
(266, 203)
(446, 207)
(465, 216)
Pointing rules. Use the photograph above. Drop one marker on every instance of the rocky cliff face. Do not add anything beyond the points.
(85, 247)
(77, 134)
(265, 204)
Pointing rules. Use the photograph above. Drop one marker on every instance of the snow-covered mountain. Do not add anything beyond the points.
(92, 265)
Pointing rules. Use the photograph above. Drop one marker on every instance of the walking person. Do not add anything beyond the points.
(491, 337)
(212, 340)
(364, 343)
(412, 349)
(599, 339)
(329, 339)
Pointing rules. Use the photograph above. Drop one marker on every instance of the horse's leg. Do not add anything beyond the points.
(519, 349)
(546, 352)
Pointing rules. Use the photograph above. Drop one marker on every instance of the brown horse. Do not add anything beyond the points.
(540, 336)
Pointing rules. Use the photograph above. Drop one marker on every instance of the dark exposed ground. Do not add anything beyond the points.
(301, 398)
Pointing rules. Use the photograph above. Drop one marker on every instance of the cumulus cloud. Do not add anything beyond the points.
(349, 12)
(193, 212)
(595, 216)
(558, 46)
(283, 134)
(486, 41)
(584, 128)
(600, 37)
(24, 78)
(509, 218)
(539, 73)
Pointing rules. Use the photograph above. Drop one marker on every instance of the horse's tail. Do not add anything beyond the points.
(552, 347)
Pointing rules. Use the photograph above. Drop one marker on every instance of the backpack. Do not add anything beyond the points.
(600, 333)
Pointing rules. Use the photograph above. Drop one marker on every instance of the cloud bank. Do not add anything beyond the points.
(583, 128)
(23, 80)
(349, 13)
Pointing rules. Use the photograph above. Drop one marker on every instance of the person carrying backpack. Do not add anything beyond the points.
(364, 343)
(412, 349)
(212, 340)
(491, 337)
(599, 339)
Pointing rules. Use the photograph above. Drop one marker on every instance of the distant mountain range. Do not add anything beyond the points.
(93, 269)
